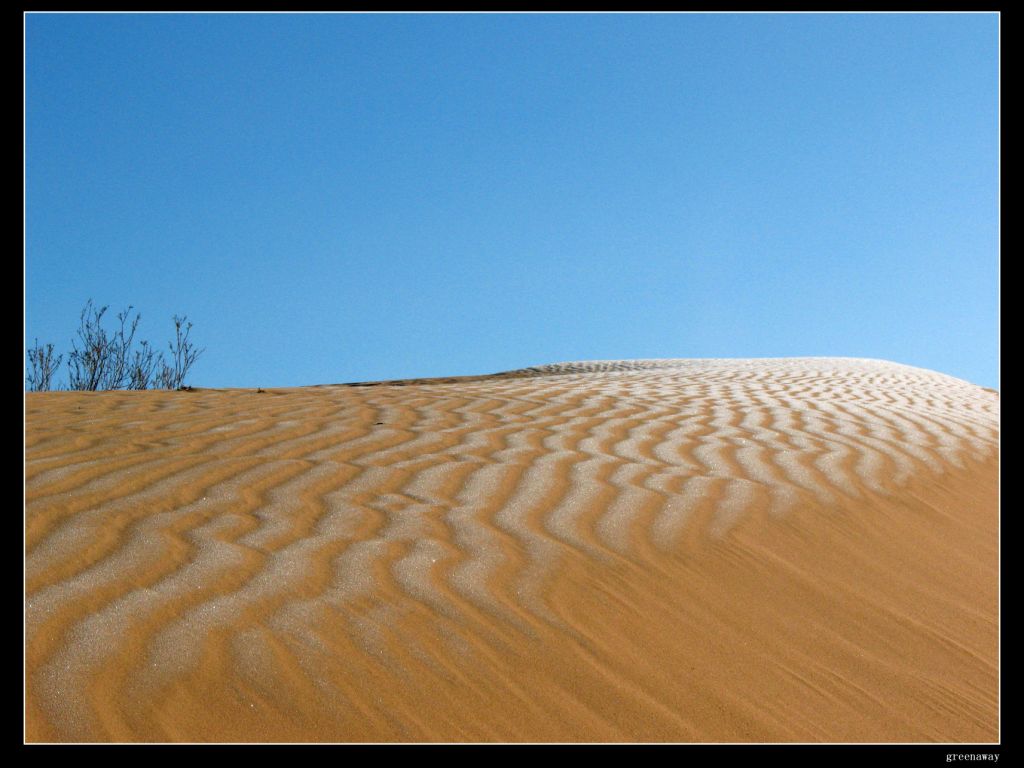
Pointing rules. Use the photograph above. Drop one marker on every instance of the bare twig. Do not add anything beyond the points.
(88, 366)
(42, 364)
(183, 355)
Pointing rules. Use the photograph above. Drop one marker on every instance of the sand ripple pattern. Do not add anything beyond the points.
(173, 527)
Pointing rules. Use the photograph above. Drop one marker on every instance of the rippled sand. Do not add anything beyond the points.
(665, 550)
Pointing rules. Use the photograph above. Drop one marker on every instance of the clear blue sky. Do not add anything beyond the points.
(336, 198)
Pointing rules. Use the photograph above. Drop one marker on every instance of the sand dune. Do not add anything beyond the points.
(666, 550)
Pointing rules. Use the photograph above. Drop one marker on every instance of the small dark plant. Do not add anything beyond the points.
(118, 374)
(88, 366)
(183, 355)
(99, 360)
(42, 365)
(144, 365)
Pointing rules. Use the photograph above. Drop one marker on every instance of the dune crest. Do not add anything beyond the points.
(650, 550)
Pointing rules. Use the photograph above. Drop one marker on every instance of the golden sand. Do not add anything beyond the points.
(795, 550)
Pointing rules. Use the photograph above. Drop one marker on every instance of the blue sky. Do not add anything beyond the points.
(336, 198)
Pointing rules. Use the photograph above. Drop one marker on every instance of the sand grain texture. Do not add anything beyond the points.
(684, 551)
